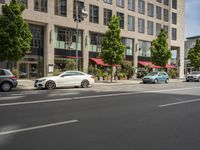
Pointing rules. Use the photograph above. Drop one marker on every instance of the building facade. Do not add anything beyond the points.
(53, 27)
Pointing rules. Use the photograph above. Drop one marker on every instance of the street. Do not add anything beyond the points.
(112, 117)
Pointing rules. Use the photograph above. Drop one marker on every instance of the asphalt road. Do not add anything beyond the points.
(123, 117)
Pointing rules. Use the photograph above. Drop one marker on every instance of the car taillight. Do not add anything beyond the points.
(13, 77)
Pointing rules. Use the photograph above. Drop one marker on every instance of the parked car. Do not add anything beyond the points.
(7, 80)
(194, 76)
(156, 77)
(65, 79)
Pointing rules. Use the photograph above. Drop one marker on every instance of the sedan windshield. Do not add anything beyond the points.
(196, 72)
(152, 74)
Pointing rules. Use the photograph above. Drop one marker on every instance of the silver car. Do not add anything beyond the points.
(194, 76)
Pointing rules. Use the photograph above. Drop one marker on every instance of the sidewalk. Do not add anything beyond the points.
(27, 84)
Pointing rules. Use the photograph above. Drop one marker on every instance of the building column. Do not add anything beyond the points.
(48, 49)
(85, 50)
(181, 62)
(135, 56)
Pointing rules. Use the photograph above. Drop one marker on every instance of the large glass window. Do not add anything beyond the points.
(2, 1)
(158, 12)
(166, 15)
(174, 18)
(40, 5)
(96, 40)
(129, 46)
(107, 16)
(131, 5)
(37, 36)
(141, 25)
(150, 27)
(174, 4)
(159, 1)
(121, 22)
(144, 47)
(80, 5)
(141, 6)
(65, 38)
(150, 10)
(158, 28)
(24, 2)
(61, 7)
(94, 14)
(120, 3)
(174, 34)
(166, 2)
(108, 1)
(131, 23)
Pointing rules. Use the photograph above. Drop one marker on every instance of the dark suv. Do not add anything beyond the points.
(7, 80)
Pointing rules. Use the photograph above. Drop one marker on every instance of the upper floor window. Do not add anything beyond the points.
(131, 5)
(158, 12)
(174, 4)
(129, 45)
(174, 18)
(107, 15)
(2, 1)
(108, 1)
(150, 10)
(141, 6)
(131, 23)
(40, 5)
(120, 3)
(158, 28)
(141, 25)
(166, 2)
(94, 14)
(166, 28)
(174, 34)
(23, 2)
(80, 6)
(159, 1)
(96, 40)
(150, 28)
(61, 7)
(121, 22)
(166, 15)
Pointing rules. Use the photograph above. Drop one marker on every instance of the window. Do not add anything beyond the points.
(94, 14)
(141, 25)
(150, 28)
(131, 23)
(121, 22)
(61, 7)
(174, 18)
(150, 10)
(2, 73)
(158, 28)
(174, 34)
(2, 1)
(107, 16)
(23, 2)
(158, 12)
(40, 5)
(144, 48)
(166, 15)
(141, 6)
(37, 36)
(120, 3)
(166, 2)
(108, 1)
(159, 1)
(129, 46)
(166, 28)
(96, 40)
(174, 4)
(80, 5)
(131, 5)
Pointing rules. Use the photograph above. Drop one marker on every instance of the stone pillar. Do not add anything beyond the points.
(181, 62)
(48, 49)
(135, 57)
(85, 50)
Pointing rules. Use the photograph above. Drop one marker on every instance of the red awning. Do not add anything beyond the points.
(170, 66)
(148, 63)
(98, 61)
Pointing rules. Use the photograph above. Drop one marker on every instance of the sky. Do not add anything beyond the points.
(192, 18)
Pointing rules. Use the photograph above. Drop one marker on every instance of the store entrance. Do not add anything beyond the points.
(28, 70)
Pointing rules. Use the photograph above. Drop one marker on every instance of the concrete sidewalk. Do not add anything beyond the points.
(26, 84)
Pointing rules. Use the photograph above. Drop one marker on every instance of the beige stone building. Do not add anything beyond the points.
(54, 31)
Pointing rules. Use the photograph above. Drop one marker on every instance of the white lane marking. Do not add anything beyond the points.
(63, 94)
(10, 98)
(17, 94)
(37, 127)
(177, 103)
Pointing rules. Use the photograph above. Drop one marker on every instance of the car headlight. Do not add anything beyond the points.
(42, 80)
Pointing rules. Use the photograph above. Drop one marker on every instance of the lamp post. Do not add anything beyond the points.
(83, 14)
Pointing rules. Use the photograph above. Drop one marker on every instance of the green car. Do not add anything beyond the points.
(156, 77)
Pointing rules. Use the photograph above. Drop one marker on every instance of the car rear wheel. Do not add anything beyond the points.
(156, 81)
(84, 84)
(6, 86)
(50, 85)
(199, 79)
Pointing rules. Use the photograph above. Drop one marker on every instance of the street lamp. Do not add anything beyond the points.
(79, 17)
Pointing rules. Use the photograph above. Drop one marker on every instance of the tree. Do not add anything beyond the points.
(70, 64)
(160, 54)
(15, 36)
(194, 55)
(112, 48)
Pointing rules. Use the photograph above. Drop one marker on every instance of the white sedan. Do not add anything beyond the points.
(66, 79)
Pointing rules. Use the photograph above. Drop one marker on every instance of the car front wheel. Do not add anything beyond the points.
(6, 86)
(50, 85)
(156, 81)
(84, 84)
(167, 81)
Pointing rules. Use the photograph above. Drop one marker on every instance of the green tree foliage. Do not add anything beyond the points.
(70, 64)
(160, 54)
(112, 48)
(15, 36)
(194, 55)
